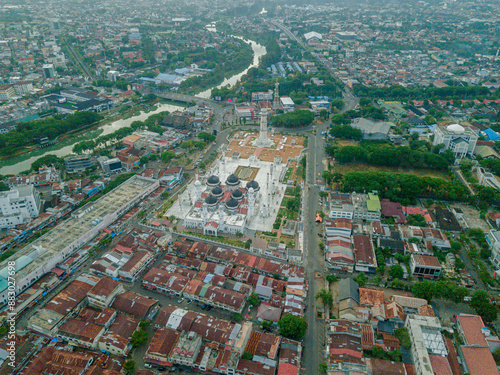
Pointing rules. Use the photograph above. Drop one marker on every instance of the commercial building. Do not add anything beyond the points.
(48, 71)
(287, 103)
(372, 130)
(78, 163)
(427, 266)
(103, 293)
(493, 239)
(111, 166)
(460, 140)
(59, 244)
(426, 342)
(19, 205)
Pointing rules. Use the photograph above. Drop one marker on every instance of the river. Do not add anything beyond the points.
(12, 166)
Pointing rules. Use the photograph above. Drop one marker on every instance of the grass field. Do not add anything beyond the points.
(361, 167)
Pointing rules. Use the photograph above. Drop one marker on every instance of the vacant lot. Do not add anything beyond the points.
(361, 167)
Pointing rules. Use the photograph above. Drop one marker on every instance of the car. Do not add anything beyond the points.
(190, 301)
(209, 308)
(162, 369)
(181, 300)
(203, 307)
(147, 365)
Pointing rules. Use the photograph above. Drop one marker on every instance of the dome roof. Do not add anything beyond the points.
(253, 184)
(232, 203)
(213, 180)
(233, 179)
(238, 194)
(217, 191)
(197, 183)
(456, 128)
(210, 200)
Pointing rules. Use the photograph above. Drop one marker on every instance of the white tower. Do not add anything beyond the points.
(197, 186)
(205, 215)
(251, 201)
(263, 141)
(221, 218)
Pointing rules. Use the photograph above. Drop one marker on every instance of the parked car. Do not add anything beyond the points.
(181, 300)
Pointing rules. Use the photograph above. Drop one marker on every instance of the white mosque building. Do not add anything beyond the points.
(222, 206)
(226, 203)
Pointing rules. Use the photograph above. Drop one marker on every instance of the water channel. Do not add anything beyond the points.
(23, 162)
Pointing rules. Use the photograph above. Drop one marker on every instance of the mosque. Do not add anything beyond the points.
(236, 194)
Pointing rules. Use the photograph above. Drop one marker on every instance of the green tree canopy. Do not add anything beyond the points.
(293, 327)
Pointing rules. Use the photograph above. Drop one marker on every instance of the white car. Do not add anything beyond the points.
(181, 300)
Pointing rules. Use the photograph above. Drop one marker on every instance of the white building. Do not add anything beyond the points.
(19, 206)
(287, 103)
(61, 242)
(461, 141)
(228, 203)
(426, 341)
(493, 238)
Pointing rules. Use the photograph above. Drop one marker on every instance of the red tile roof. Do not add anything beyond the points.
(471, 326)
(479, 360)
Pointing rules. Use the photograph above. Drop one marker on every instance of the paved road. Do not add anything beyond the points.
(77, 59)
(314, 259)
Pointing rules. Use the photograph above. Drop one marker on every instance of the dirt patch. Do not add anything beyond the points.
(361, 167)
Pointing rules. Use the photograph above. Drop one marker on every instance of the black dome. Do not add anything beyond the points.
(253, 184)
(211, 200)
(217, 191)
(237, 194)
(213, 180)
(232, 203)
(233, 179)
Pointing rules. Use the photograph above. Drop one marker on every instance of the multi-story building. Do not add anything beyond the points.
(493, 238)
(103, 293)
(287, 103)
(18, 206)
(48, 71)
(356, 206)
(425, 266)
(427, 342)
(78, 163)
(6, 92)
(461, 141)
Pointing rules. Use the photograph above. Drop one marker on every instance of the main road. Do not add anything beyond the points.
(314, 259)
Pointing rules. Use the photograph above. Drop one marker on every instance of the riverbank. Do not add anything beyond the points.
(15, 165)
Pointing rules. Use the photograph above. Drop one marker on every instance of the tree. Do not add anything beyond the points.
(396, 272)
(166, 156)
(424, 289)
(496, 356)
(481, 303)
(144, 324)
(237, 317)
(129, 366)
(403, 337)
(292, 327)
(321, 246)
(323, 367)
(248, 243)
(361, 279)
(267, 325)
(325, 296)
(331, 278)
(247, 355)
(144, 160)
(254, 299)
(139, 338)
